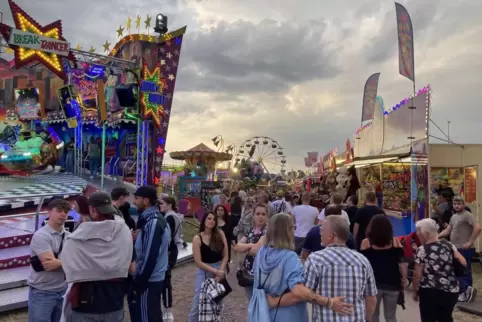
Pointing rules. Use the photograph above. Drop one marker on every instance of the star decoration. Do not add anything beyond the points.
(169, 55)
(25, 56)
(163, 62)
(159, 150)
(120, 31)
(78, 47)
(106, 46)
(92, 49)
(147, 22)
(138, 22)
(171, 77)
(151, 109)
(128, 24)
(156, 180)
(167, 68)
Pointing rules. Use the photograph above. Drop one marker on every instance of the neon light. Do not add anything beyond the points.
(152, 107)
(395, 107)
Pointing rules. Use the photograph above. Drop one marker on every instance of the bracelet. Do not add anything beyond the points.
(330, 303)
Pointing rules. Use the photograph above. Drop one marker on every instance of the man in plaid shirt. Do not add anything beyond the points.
(339, 271)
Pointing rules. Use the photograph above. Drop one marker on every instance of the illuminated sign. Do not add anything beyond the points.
(149, 87)
(38, 42)
(155, 97)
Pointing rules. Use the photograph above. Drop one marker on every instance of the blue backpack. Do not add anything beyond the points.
(258, 308)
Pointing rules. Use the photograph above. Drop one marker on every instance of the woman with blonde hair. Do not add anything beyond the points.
(278, 270)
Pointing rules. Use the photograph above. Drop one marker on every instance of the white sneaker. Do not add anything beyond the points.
(169, 317)
(470, 293)
(462, 297)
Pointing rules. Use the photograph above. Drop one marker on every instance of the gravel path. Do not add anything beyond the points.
(235, 309)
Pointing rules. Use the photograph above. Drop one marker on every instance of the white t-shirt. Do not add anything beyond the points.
(305, 217)
(287, 206)
(343, 214)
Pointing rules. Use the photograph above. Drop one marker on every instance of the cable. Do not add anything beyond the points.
(438, 127)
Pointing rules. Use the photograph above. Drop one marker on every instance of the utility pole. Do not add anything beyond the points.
(448, 130)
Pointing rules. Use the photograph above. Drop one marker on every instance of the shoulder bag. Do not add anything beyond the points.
(35, 260)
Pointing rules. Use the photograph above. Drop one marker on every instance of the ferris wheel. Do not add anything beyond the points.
(263, 150)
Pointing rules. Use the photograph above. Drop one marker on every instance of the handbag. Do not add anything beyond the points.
(227, 290)
(245, 278)
(35, 260)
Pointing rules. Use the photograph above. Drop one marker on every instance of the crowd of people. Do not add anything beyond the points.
(339, 262)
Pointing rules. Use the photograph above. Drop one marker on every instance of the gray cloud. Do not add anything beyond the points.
(244, 56)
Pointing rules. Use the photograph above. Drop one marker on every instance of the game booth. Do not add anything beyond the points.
(391, 157)
(390, 154)
(56, 102)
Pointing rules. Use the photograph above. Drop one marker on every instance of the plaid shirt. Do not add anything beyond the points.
(209, 310)
(339, 271)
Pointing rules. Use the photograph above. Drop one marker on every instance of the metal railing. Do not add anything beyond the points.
(39, 211)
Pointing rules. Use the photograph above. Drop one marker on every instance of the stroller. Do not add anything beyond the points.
(410, 244)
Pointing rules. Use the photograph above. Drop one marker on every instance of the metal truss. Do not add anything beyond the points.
(142, 153)
(93, 58)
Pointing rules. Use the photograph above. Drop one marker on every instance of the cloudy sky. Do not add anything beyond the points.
(295, 70)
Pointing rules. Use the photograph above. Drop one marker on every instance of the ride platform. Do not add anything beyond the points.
(25, 191)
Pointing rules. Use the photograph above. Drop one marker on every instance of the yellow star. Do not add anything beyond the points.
(106, 46)
(138, 22)
(92, 49)
(120, 31)
(128, 24)
(79, 47)
(147, 22)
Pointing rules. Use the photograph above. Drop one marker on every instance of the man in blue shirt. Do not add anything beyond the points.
(152, 247)
(313, 238)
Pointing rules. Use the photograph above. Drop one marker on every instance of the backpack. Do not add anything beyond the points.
(177, 227)
(258, 308)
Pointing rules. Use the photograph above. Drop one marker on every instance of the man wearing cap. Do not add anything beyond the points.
(96, 259)
(152, 247)
(463, 229)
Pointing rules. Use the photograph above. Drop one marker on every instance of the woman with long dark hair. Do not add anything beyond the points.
(222, 215)
(385, 254)
(169, 208)
(210, 252)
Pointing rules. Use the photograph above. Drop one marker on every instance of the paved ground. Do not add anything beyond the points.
(236, 303)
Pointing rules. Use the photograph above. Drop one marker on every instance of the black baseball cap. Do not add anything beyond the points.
(102, 202)
(147, 192)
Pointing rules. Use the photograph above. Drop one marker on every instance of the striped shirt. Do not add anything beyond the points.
(339, 271)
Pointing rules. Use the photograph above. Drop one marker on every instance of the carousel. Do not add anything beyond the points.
(199, 174)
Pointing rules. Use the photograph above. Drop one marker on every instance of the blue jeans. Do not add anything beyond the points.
(44, 306)
(466, 280)
(201, 276)
(249, 292)
(93, 165)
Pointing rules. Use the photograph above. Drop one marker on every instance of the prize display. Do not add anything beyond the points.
(396, 185)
